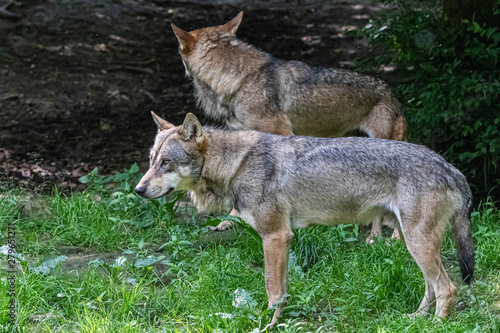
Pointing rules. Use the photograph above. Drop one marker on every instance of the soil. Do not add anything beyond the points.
(79, 78)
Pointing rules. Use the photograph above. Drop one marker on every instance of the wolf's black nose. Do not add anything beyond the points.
(140, 190)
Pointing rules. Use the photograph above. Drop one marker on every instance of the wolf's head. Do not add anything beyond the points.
(199, 42)
(176, 158)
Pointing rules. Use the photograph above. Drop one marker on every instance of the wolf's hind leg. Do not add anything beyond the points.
(438, 286)
(423, 231)
(377, 229)
(396, 234)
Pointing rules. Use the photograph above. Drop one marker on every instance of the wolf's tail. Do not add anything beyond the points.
(463, 238)
(399, 130)
(399, 125)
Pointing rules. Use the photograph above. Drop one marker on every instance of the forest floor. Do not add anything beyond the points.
(78, 78)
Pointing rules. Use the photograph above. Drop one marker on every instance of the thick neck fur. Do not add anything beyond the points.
(222, 62)
(225, 154)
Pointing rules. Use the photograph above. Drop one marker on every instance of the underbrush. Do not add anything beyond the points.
(447, 80)
(143, 267)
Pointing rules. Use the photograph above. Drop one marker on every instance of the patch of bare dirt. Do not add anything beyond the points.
(78, 78)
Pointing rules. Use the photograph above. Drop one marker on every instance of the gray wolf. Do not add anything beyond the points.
(251, 90)
(280, 183)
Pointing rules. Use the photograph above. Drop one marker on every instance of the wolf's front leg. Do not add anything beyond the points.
(376, 230)
(276, 249)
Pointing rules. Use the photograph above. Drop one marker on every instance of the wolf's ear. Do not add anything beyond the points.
(186, 40)
(191, 128)
(162, 124)
(233, 25)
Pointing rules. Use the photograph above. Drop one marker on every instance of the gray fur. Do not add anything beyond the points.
(250, 89)
(278, 184)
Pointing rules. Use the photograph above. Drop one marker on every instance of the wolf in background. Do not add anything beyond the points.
(251, 90)
(280, 183)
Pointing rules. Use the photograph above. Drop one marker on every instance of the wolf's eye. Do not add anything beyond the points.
(165, 162)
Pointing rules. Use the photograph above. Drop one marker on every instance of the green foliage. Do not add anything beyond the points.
(177, 247)
(450, 86)
(486, 233)
(336, 283)
(115, 271)
(122, 195)
(95, 181)
(215, 220)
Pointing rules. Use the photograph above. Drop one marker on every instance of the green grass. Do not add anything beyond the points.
(337, 283)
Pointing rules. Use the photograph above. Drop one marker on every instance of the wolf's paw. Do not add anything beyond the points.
(396, 234)
(224, 225)
(417, 314)
(370, 240)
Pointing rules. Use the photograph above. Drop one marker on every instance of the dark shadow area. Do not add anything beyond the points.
(78, 78)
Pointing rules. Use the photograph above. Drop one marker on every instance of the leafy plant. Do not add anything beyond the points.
(142, 259)
(168, 205)
(115, 271)
(347, 286)
(448, 84)
(304, 304)
(124, 197)
(176, 246)
(346, 234)
(126, 178)
(119, 188)
(95, 181)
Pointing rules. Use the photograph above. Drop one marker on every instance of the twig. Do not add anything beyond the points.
(131, 68)
(8, 14)
(17, 118)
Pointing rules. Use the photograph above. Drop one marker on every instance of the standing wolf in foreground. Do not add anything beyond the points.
(280, 183)
(251, 90)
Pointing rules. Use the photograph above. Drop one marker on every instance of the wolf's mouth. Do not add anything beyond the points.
(169, 191)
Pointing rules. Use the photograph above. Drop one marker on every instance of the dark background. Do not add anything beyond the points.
(79, 78)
